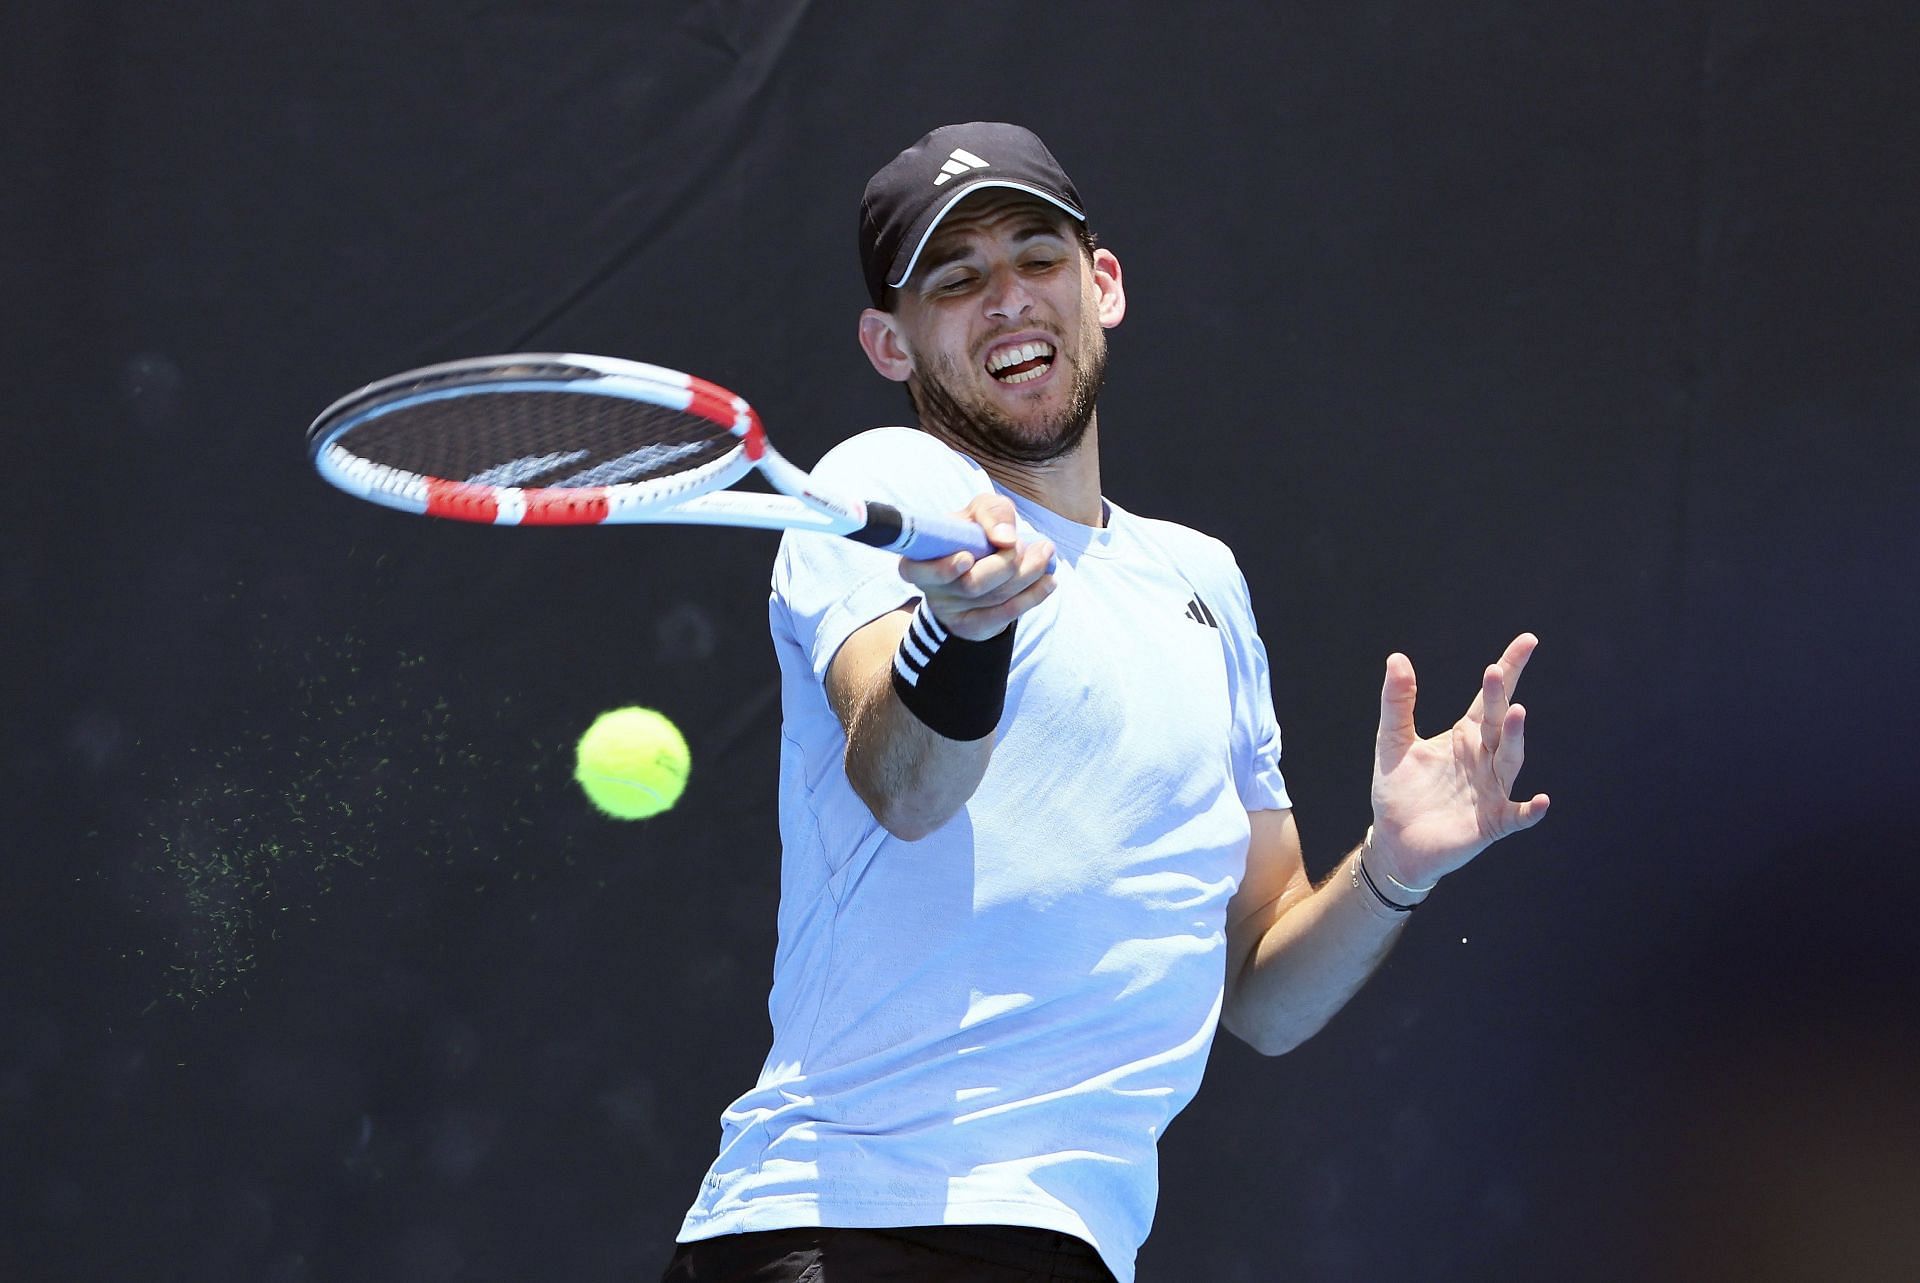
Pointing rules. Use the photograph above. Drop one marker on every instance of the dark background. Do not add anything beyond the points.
(1592, 319)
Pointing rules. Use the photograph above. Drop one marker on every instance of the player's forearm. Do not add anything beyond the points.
(921, 691)
(911, 778)
(1312, 960)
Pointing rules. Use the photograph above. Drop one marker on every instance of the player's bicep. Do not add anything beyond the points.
(862, 660)
(1276, 879)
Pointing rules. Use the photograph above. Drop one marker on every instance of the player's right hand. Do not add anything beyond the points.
(976, 598)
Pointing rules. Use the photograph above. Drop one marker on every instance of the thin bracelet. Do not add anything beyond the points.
(1359, 872)
(1366, 844)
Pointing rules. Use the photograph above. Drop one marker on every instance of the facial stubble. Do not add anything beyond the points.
(986, 433)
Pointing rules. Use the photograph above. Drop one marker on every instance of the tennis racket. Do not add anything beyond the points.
(553, 439)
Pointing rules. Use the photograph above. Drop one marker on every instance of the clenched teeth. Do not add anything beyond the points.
(1015, 355)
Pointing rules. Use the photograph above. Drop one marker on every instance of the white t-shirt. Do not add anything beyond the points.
(994, 1024)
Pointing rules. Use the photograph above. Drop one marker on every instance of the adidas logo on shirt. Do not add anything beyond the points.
(961, 161)
(1197, 611)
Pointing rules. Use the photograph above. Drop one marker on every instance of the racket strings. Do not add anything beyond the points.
(539, 439)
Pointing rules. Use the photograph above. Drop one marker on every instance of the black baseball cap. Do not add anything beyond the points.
(906, 200)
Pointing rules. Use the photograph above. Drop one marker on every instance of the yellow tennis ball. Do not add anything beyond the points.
(632, 762)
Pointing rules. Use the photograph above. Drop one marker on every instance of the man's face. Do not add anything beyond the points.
(1002, 320)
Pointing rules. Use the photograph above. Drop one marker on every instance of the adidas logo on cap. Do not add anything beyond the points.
(961, 161)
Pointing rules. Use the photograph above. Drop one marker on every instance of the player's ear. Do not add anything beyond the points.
(1108, 290)
(880, 340)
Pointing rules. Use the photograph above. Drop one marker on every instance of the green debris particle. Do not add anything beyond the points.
(325, 806)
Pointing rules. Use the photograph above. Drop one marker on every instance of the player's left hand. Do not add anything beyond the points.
(1439, 802)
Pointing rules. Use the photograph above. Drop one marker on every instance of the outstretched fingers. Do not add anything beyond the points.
(1507, 761)
(1516, 655)
(1397, 691)
(1512, 662)
(1493, 706)
(1510, 750)
(1524, 815)
(1497, 685)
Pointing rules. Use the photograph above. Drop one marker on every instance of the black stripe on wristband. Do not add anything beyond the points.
(1378, 894)
(957, 688)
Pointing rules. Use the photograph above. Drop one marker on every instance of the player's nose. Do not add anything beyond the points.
(1007, 296)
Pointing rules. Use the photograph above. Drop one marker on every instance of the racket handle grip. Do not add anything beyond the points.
(923, 538)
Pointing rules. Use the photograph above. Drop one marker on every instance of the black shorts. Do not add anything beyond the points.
(912, 1254)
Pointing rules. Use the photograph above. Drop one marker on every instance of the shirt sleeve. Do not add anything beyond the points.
(826, 587)
(1256, 731)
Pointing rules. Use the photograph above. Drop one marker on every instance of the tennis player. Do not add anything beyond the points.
(1037, 845)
